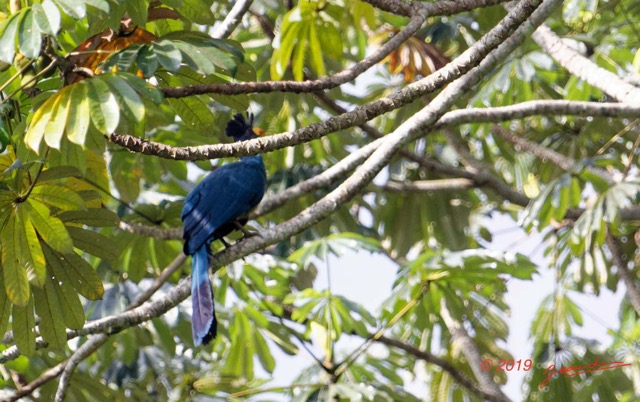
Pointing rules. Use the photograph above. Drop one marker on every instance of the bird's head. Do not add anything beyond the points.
(241, 130)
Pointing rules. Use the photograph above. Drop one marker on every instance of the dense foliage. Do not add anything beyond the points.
(103, 102)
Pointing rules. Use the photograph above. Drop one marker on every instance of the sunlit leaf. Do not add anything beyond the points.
(50, 228)
(29, 37)
(46, 17)
(103, 107)
(16, 281)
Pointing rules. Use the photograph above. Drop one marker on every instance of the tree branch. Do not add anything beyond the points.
(537, 108)
(471, 352)
(633, 292)
(332, 81)
(231, 21)
(420, 186)
(456, 374)
(563, 162)
(584, 68)
(361, 114)
(437, 8)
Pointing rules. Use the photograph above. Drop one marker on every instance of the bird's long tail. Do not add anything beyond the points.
(203, 319)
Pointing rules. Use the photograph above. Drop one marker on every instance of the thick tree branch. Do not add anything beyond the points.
(584, 68)
(437, 8)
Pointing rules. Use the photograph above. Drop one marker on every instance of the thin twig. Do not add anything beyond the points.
(232, 19)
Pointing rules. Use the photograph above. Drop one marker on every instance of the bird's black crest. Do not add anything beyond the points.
(238, 127)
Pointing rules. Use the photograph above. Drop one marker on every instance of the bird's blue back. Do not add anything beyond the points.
(226, 194)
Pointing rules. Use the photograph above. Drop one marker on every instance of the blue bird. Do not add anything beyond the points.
(218, 205)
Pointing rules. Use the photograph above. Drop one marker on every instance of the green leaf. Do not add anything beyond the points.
(282, 54)
(101, 5)
(58, 196)
(168, 55)
(5, 307)
(47, 17)
(35, 262)
(195, 58)
(79, 114)
(143, 88)
(194, 110)
(94, 243)
(264, 353)
(72, 310)
(58, 172)
(137, 10)
(317, 61)
(126, 175)
(73, 8)
(127, 97)
(7, 38)
(198, 11)
(103, 107)
(50, 228)
(147, 61)
(29, 35)
(38, 123)
(49, 310)
(23, 323)
(98, 217)
(58, 119)
(300, 53)
(15, 275)
(72, 269)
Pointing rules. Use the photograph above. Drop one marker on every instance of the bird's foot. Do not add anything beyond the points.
(224, 243)
(246, 233)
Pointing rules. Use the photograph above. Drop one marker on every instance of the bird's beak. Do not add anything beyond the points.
(258, 131)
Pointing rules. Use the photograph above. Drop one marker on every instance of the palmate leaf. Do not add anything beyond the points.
(99, 100)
